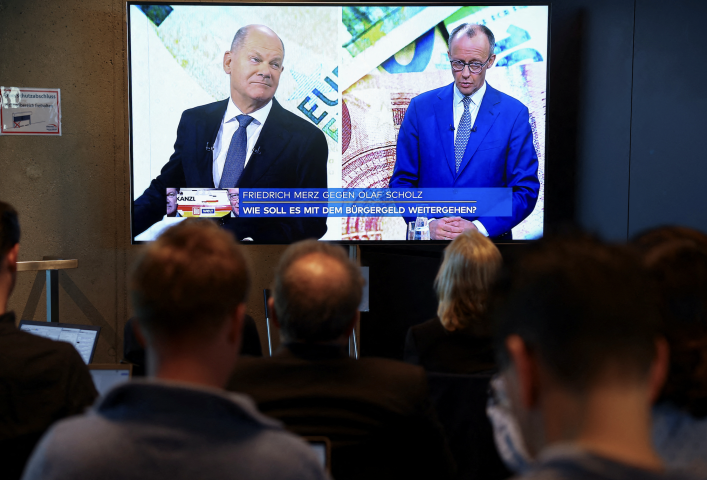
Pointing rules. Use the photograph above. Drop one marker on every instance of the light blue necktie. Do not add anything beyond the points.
(463, 133)
(235, 158)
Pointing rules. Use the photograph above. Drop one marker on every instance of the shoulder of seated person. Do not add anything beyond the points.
(429, 325)
(302, 126)
(383, 367)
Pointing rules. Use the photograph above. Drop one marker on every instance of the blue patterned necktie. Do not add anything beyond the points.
(235, 158)
(463, 133)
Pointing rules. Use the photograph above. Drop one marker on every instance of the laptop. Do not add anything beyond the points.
(107, 375)
(322, 449)
(83, 337)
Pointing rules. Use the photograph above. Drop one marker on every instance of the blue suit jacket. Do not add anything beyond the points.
(292, 154)
(500, 153)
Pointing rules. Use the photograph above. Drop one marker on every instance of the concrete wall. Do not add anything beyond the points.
(72, 192)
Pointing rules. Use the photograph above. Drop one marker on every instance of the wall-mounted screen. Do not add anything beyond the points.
(348, 122)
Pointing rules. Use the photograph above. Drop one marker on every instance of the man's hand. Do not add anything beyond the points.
(465, 225)
(448, 228)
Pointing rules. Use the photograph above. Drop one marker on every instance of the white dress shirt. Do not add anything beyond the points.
(476, 99)
(229, 125)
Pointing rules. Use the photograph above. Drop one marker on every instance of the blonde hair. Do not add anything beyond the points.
(471, 262)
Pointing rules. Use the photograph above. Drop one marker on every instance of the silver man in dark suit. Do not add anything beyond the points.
(246, 141)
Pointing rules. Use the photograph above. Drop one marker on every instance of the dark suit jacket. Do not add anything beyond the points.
(376, 412)
(436, 349)
(461, 403)
(500, 153)
(41, 381)
(292, 154)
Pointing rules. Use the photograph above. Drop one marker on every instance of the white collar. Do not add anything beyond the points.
(259, 116)
(476, 97)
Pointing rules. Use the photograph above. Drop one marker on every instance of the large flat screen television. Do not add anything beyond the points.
(342, 122)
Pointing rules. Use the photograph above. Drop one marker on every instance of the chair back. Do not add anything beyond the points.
(460, 401)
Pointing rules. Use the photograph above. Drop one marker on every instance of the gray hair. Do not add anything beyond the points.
(316, 309)
(471, 29)
(242, 34)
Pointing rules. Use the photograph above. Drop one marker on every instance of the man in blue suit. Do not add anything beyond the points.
(245, 141)
(469, 135)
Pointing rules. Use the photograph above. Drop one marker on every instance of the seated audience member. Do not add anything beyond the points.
(41, 381)
(582, 361)
(459, 340)
(678, 264)
(188, 289)
(374, 411)
(134, 348)
(647, 241)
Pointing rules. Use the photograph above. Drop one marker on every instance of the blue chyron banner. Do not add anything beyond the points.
(379, 202)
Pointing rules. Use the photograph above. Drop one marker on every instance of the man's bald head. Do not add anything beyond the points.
(242, 34)
(254, 63)
(317, 291)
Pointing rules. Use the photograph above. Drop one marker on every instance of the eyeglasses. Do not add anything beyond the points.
(171, 194)
(474, 67)
(232, 196)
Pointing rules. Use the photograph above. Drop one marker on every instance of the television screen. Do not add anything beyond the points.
(347, 123)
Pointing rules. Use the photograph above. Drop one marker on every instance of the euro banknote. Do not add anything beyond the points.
(371, 35)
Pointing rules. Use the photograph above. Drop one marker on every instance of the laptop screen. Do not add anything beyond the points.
(106, 376)
(82, 337)
(322, 449)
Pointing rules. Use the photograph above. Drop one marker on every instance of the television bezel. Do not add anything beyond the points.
(128, 120)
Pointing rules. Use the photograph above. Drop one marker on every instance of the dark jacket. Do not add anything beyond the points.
(41, 381)
(376, 412)
(436, 349)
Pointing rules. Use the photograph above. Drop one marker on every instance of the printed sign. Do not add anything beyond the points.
(30, 111)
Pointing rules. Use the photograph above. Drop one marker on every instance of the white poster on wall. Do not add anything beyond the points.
(30, 111)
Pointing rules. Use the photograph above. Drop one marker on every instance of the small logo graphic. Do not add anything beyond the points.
(196, 211)
(207, 211)
(52, 128)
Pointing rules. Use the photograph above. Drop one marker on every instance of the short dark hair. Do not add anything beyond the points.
(321, 313)
(583, 307)
(471, 29)
(648, 240)
(9, 229)
(678, 266)
(189, 280)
